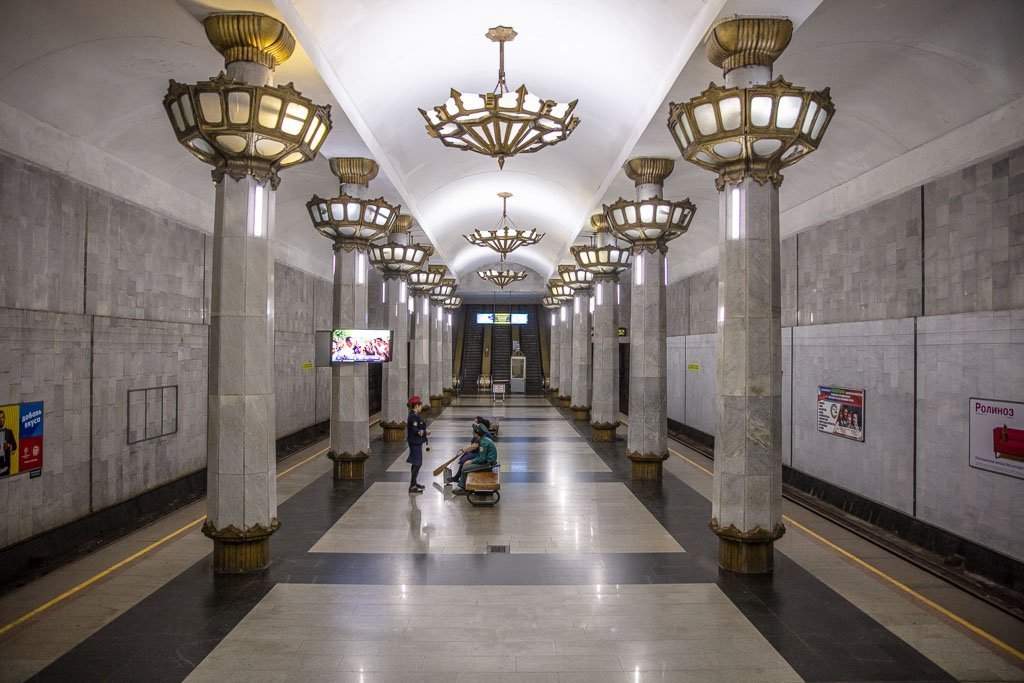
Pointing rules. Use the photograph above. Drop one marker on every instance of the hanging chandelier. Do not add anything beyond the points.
(505, 237)
(603, 259)
(575, 278)
(442, 291)
(500, 123)
(399, 258)
(502, 278)
(426, 280)
(452, 303)
(559, 290)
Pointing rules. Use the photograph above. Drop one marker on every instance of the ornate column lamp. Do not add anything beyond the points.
(438, 339)
(395, 259)
(421, 282)
(450, 305)
(605, 260)
(500, 123)
(552, 304)
(351, 221)
(580, 282)
(563, 293)
(648, 223)
(747, 132)
(248, 129)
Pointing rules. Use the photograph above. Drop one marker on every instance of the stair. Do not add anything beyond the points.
(501, 353)
(472, 350)
(529, 344)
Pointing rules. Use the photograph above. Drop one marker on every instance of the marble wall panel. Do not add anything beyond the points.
(787, 396)
(877, 356)
(974, 237)
(703, 307)
(294, 385)
(787, 254)
(701, 351)
(46, 358)
(676, 383)
(141, 264)
(863, 266)
(293, 299)
(678, 306)
(42, 238)
(962, 356)
(136, 354)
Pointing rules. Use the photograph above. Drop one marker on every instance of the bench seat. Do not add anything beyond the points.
(480, 484)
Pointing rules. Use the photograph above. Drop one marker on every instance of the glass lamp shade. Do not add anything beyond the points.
(504, 240)
(500, 125)
(452, 303)
(243, 129)
(550, 302)
(502, 278)
(755, 131)
(443, 291)
(392, 258)
(575, 278)
(646, 221)
(426, 280)
(606, 260)
(559, 290)
(347, 218)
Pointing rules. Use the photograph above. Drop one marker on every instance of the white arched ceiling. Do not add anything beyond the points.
(383, 61)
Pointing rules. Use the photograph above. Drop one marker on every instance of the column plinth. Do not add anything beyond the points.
(604, 431)
(237, 551)
(580, 413)
(348, 465)
(647, 466)
(393, 431)
(746, 552)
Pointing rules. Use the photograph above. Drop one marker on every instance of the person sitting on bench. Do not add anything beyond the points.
(469, 452)
(486, 458)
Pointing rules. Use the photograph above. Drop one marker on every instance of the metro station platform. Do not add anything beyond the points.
(578, 574)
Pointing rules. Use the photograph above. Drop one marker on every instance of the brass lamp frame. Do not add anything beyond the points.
(444, 290)
(425, 280)
(452, 303)
(576, 278)
(502, 278)
(505, 237)
(559, 290)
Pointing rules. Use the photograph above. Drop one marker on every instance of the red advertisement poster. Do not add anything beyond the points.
(21, 438)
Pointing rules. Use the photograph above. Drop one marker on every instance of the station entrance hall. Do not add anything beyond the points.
(545, 342)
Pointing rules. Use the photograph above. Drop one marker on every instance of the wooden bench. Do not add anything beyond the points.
(482, 483)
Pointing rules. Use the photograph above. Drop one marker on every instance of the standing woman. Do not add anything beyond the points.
(416, 434)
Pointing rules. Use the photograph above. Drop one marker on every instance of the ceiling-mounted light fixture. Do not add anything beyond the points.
(604, 258)
(574, 277)
(397, 258)
(425, 280)
(452, 303)
(505, 237)
(500, 123)
(559, 290)
(347, 219)
(443, 290)
(502, 277)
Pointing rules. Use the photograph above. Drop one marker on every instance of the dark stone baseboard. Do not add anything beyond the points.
(32, 557)
(701, 441)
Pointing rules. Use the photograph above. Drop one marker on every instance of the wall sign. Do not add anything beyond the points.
(21, 438)
(996, 436)
(623, 332)
(841, 412)
(693, 366)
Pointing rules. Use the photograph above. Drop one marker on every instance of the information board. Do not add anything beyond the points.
(21, 436)
(841, 412)
(996, 436)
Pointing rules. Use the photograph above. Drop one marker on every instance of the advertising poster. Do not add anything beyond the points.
(841, 412)
(21, 436)
(997, 436)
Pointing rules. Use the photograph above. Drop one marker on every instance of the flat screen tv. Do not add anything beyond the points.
(360, 346)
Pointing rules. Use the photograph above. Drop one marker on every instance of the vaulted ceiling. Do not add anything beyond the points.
(902, 74)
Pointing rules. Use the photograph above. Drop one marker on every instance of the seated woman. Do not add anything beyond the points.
(469, 452)
(486, 457)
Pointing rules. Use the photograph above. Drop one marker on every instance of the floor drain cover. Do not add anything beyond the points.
(497, 548)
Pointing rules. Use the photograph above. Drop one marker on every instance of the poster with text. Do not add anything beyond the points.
(997, 436)
(841, 412)
(21, 436)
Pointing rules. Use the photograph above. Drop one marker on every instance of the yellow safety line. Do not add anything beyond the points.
(88, 582)
(878, 572)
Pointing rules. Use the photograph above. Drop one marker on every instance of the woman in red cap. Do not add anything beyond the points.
(416, 434)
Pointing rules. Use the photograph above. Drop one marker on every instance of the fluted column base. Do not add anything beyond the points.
(348, 465)
(240, 551)
(437, 400)
(564, 401)
(580, 413)
(552, 393)
(393, 431)
(746, 552)
(647, 466)
(447, 396)
(604, 431)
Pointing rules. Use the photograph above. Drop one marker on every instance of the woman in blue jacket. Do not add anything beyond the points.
(416, 434)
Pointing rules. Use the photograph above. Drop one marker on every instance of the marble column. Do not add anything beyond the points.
(747, 497)
(421, 348)
(396, 373)
(240, 444)
(565, 355)
(647, 444)
(436, 356)
(581, 370)
(447, 392)
(350, 391)
(555, 351)
(604, 402)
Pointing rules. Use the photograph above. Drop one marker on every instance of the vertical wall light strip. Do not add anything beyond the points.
(360, 268)
(426, 306)
(734, 213)
(440, 314)
(600, 295)
(576, 305)
(412, 304)
(257, 211)
(401, 293)
(618, 294)
(384, 292)
(639, 268)
(592, 307)
(561, 313)
(552, 318)
(449, 320)
(666, 269)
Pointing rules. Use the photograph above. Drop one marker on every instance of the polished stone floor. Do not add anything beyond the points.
(578, 574)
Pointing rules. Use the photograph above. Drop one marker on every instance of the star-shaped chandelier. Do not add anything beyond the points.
(501, 277)
(500, 123)
(505, 237)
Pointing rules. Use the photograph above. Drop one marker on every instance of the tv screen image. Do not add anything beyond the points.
(361, 346)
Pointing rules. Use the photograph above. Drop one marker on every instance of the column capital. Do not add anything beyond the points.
(354, 170)
(651, 246)
(737, 41)
(350, 244)
(649, 170)
(249, 37)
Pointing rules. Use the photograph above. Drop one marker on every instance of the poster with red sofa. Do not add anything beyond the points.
(997, 436)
